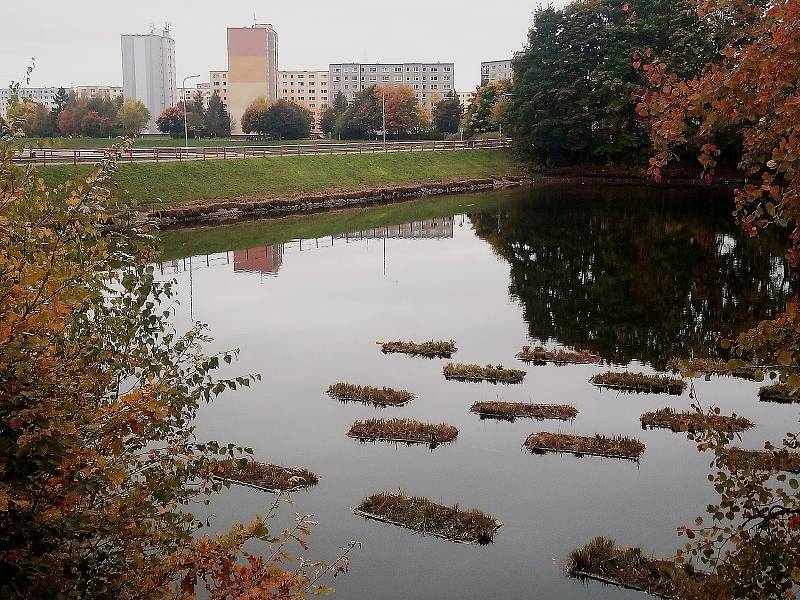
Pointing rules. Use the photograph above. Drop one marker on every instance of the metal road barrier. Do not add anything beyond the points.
(44, 156)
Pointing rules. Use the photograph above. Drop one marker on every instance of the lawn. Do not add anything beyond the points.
(164, 184)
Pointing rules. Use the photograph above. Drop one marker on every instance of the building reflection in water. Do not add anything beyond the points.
(267, 260)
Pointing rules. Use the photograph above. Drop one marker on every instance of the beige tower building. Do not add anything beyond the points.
(252, 68)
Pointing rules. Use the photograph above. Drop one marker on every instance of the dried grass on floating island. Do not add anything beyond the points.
(430, 349)
(420, 514)
(498, 374)
(710, 366)
(779, 392)
(510, 411)
(602, 560)
(667, 418)
(266, 477)
(405, 431)
(780, 460)
(347, 392)
(598, 445)
(639, 382)
(540, 356)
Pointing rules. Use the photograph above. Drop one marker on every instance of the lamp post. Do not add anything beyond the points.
(383, 90)
(185, 121)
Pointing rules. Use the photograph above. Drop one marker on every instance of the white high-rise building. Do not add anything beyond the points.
(148, 72)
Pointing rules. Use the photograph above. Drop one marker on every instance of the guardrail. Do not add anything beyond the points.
(75, 156)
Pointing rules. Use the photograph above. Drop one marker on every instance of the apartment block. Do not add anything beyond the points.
(99, 91)
(496, 70)
(306, 88)
(42, 95)
(252, 68)
(148, 72)
(430, 81)
(466, 99)
(218, 80)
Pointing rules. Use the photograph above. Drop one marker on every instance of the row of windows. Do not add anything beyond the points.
(396, 69)
(434, 86)
(302, 75)
(397, 78)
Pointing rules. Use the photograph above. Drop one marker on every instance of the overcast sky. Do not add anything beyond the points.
(78, 42)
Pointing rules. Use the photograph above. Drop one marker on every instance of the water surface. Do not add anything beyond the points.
(635, 274)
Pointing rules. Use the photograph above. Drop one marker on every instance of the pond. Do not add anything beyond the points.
(636, 275)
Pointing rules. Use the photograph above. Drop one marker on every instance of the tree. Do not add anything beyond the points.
(170, 121)
(751, 537)
(363, 117)
(403, 114)
(33, 117)
(69, 121)
(571, 98)
(479, 114)
(92, 124)
(333, 113)
(284, 120)
(133, 117)
(99, 465)
(216, 119)
(60, 100)
(252, 119)
(447, 114)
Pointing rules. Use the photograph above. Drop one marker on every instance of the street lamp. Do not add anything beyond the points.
(185, 121)
(383, 90)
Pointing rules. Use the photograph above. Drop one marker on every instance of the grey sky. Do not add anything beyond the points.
(78, 42)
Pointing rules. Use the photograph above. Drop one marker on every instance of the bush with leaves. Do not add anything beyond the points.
(98, 457)
(752, 538)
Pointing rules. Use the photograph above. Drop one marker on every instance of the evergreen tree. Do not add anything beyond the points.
(447, 114)
(216, 118)
(333, 113)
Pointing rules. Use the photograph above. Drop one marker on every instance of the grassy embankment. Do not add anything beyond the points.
(168, 184)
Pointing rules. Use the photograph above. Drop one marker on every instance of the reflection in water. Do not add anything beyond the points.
(628, 273)
(635, 274)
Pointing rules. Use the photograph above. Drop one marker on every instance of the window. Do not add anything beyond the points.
(398, 78)
(416, 69)
(385, 69)
(434, 69)
(336, 78)
(337, 70)
(373, 79)
(384, 78)
(434, 86)
(398, 69)
(373, 70)
(300, 76)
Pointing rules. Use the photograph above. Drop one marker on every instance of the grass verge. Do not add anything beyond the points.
(599, 445)
(668, 418)
(347, 392)
(710, 366)
(540, 356)
(159, 185)
(498, 374)
(509, 411)
(779, 392)
(266, 477)
(639, 382)
(405, 431)
(602, 560)
(431, 349)
(420, 514)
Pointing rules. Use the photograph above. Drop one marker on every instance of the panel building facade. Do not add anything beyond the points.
(430, 81)
(252, 69)
(148, 72)
(306, 88)
(497, 70)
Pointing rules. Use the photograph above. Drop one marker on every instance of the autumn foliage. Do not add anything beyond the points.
(98, 459)
(752, 535)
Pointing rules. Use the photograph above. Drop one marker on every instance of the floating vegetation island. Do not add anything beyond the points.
(779, 392)
(540, 356)
(405, 431)
(265, 477)
(602, 560)
(667, 418)
(710, 366)
(498, 374)
(426, 517)
(599, 445)
(639, 382)
(431, 349)
(782, 460)
(510, 411)
(347, 392)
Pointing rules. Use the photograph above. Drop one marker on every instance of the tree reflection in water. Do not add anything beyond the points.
(635, 273)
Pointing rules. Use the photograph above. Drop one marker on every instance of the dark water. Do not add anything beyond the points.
(636, 275)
